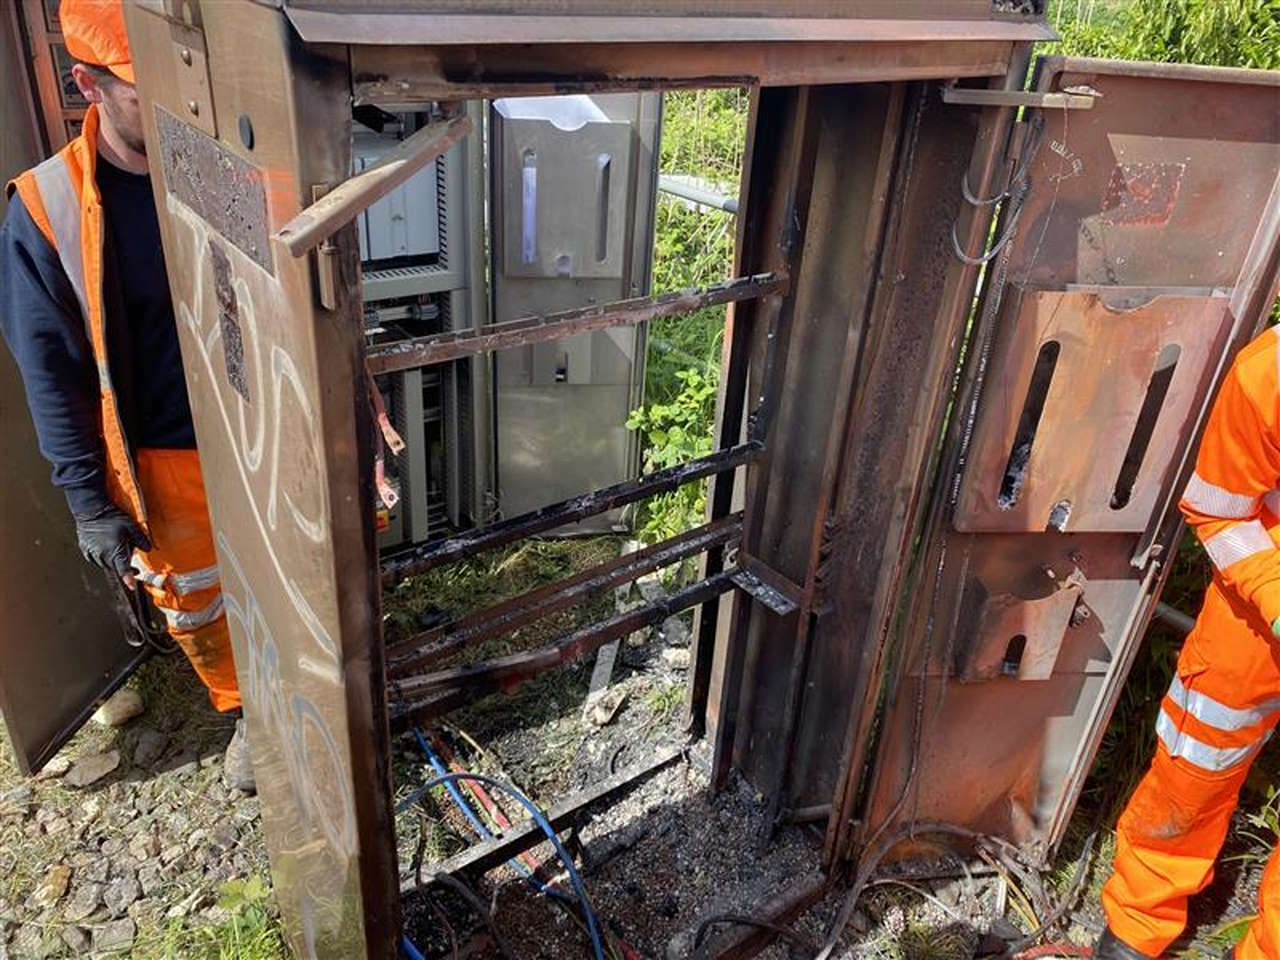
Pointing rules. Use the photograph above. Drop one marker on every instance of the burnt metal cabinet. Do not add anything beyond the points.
(889, 625)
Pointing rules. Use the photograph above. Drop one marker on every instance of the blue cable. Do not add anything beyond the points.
(409, 950)
(540, 819)
(478, 825)
(438, 766)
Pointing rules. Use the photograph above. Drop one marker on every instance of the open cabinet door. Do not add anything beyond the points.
(1143, 249)
(61, 646)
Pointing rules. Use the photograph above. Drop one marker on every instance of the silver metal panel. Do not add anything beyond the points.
(573, 181)
(406, 222)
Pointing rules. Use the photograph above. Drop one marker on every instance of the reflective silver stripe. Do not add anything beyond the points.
(1215, 759)
(193, 619)
(1214, 501)
(201, 579)
(58, 194)
(1271, 500)
(1218, 715)
(1238, 542)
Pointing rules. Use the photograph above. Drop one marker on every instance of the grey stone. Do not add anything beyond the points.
(144, 846)
(119, 708)
(651, 587)
(28, 941)
(85, 899)
(150, 747)
(55, 768)
(150, 879)
(185, 764)
(677, 658)
(115, 936)
(17, 801)
(75, 938)
(197, 837)
(112, 846)
(675, 632)
(120, 894)
(57, 826)
(172, 854)
(224, 835)
(91, 769)
(97, 872)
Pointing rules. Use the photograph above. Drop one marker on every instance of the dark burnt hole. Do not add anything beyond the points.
(1145, 426)
(1012, 662)
(1015, 471)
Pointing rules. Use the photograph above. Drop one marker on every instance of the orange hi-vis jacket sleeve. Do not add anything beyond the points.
(1233, 499)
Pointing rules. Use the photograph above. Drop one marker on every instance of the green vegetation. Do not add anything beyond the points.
(1225, 33)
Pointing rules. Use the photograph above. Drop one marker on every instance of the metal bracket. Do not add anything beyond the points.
(982, 97)
(765, 584)
(352, 197)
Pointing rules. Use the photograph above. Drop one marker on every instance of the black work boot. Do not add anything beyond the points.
(1111, 947)
(237, 764)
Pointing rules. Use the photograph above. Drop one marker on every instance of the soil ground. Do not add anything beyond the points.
(157, 859)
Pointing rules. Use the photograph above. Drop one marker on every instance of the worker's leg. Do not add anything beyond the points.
(1262, 939)
(1220, 709)
(181, 572)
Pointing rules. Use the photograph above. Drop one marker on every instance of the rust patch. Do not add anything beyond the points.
(1142, 194)
(226, 191)
(229, 317)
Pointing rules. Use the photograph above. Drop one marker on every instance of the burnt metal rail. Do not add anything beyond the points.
(445, 689)
(431, 646)
(568, 511)
(538, 328)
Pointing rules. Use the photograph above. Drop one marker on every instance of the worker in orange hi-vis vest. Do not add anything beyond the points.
(1225, 698)
(86, 311)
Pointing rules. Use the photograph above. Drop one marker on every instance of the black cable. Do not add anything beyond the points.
(478, 905)
(786, 933)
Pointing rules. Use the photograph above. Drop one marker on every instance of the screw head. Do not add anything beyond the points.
(194, 107)
(185, 56)
(245, 126)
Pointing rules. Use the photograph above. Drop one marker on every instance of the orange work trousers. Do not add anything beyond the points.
(180, 571)
(1219, 711)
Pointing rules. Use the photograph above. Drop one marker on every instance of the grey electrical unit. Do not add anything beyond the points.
(553, 210)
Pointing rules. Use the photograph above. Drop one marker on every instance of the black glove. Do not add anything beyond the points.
(107, 539)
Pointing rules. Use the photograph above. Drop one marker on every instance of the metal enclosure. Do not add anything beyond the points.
(574, 193)
(855, 282)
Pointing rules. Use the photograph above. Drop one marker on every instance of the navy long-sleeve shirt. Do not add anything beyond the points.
(41, 322)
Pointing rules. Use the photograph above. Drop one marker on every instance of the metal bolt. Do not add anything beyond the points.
(245, 126)
(194, 107)
(185, 55)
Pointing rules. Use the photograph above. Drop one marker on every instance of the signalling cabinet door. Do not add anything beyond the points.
(1142, 253)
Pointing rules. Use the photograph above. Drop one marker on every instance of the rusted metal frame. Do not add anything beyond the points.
(731, 409)
(497, 24)
(349, 199)
(566, 511)
(406, 74)
(523, 331)
(792, 191)
(988, 163)
(432, 646)
(504, 674)
(872, 250)
(573, 809)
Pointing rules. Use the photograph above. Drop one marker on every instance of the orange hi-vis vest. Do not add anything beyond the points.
(61, 196)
